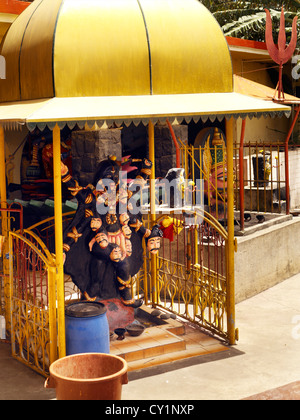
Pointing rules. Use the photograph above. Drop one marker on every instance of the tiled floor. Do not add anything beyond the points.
(159, 345)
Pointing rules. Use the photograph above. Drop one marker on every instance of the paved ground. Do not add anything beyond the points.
(268, 354)
(265, 357)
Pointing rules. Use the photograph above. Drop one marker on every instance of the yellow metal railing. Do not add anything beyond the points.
(32, 282)
(192, 274)
(186, 277)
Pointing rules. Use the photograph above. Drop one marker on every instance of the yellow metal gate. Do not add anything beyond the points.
(28, 292)
(192, 276)
(32, 285)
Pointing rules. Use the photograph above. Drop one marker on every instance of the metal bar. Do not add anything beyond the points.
(287, 179)
(152, 210)
(52, 315)
(175, 144)
(230, 228)
(2, 166)
(250, 175)
(271, 176)
(10, 289)
(59, 241)
(257, 180)
(4, 226)
(264, 179)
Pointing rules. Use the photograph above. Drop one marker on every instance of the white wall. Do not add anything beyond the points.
(266, 258)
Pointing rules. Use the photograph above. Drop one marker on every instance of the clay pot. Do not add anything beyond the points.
(88, 376)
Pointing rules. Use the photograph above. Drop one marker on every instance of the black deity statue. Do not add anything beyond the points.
(103, 242)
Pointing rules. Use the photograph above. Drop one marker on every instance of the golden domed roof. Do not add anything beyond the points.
(77, 48)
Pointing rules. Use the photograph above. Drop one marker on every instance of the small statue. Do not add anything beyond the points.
(103, 242)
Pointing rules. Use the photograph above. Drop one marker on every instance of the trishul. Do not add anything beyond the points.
(280, 53)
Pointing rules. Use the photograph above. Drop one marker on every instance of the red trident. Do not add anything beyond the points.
(280, 53)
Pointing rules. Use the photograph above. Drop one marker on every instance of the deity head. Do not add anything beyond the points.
(154, 239)
(126, 231)
(124, 218)
(108, 169)
(102, 238)
(128, 247)
(116, 253)
(96, 223)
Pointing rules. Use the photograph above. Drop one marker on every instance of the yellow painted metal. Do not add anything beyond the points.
(152, 209)
(117, 47)
(9, 87)
(33, 325)
(230, 230)
(4, 227)
(197, 289)
(135, 108)
(154, 107)
(2, 167)
(52, 314)
(36, 52)
(47, 221)
(59, 241)
(198, 294)
(9, 286)
(101, 49)
(152, 176)
(188, 48)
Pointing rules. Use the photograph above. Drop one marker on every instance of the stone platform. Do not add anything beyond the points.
(169, 341)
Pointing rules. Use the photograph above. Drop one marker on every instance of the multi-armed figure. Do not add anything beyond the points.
(103, 243)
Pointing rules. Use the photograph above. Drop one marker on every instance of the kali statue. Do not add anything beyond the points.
(103, 242)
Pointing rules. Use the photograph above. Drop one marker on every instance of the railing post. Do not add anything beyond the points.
(287, 176)
(152, 210)
(59, 241)
(52, 314)
(2, 166)
(241, 176)
(4, 228)
(230, 231)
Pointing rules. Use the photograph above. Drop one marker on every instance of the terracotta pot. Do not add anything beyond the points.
(88, 376)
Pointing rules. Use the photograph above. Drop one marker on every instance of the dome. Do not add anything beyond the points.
(78, 48)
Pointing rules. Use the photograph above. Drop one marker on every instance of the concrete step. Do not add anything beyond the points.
(154, 341)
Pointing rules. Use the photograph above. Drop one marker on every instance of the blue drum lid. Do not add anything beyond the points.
(85, 309)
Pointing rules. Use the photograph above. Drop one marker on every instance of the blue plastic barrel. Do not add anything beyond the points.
(87, 329)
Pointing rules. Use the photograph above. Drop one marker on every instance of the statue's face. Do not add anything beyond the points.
(124, 218)
(102, 240)
(126, 231)
(116, 254)
(153, 245)
(96, 224)
(128, 247)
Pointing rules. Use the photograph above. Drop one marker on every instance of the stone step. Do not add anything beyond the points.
(154, 341)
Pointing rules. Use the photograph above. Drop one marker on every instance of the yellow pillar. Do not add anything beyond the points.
(59, 241)
(152, 176)
(230, 227)
(4, 230)
(2, 167)
(152, 210)
(52, 313)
